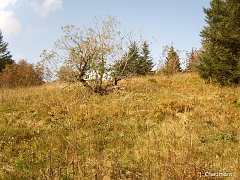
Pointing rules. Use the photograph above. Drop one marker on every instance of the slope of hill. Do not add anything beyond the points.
(152, 128)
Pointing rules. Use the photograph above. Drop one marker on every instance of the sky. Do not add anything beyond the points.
(30, 26)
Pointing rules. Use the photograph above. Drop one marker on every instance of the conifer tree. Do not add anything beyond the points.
(220, 58)
(145, 61)
(127, 66)
(135, 62)
(5, 56)
(172, 64)
(132, 57)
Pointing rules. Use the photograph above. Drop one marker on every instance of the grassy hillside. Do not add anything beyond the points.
(152, 128)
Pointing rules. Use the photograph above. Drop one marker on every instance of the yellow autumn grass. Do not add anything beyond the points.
(152, 128)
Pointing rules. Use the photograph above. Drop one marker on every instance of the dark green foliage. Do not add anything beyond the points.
(172, 64)
(5, 56)
(135, 62)
(145, 63)
(220, 58)
(129, 62)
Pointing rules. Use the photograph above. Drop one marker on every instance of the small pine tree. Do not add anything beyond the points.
(145, 61)
(132, 58)
(127, 66)
(5, 56)
(172, 64)
(134, 62)
(220, 58)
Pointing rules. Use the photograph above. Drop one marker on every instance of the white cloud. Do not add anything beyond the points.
(47, 6)
(8, 24)
(34, 31)
(5, 3)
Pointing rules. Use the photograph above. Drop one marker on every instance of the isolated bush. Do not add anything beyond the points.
(20, 74)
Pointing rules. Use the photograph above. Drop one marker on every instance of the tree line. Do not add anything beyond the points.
(19, 74)
(101, 55)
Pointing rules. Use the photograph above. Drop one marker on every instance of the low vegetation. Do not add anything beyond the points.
(153, 127)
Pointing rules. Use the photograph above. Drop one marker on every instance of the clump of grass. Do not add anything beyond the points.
(166, 128)
(152, 80)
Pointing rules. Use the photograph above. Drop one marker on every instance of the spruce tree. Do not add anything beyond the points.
(172, 64)
(5, 56)
(134, 62)
(127, 66)
(220, 58)
(145, 61)
(132, 57)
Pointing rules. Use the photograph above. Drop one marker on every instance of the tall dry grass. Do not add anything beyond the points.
(152, 128)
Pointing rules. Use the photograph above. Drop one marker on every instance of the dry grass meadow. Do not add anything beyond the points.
(152, 128)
